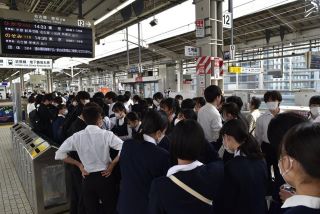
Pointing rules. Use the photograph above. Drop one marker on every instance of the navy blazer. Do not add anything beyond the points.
(245, 186)
(301, 210)
(167, 197)
(140, 163)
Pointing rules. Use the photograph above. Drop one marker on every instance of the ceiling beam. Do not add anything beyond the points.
(283, 20)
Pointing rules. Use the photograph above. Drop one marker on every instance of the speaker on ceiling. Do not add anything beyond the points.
(138, 7)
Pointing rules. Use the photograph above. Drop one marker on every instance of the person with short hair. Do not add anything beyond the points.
(92, 145)
(254, 114)
(188, 104)
(168, 194)
(134, 124)
(272, 100)
(199, 103)
(208, 116)
(299, 163)
(31, 104)
(142, 160)
(246, 173)
(58, 123)
(110, 99)
(179, 99)
(169, 106)
(314, 104)
(235, 99)
(157, 98)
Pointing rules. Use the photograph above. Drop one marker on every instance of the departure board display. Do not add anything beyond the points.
(33, 38)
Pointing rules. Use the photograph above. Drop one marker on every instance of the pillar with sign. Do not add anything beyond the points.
(209, 33)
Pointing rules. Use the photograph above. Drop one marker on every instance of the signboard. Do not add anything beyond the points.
(234, 69)
(191, 51)
(203, 65)
(227, 20)
(35, 38)
(312, 59)
(27, 63)
(232, 49)
(251, 70)
(133, 69)
(200, 28)
(202, 81)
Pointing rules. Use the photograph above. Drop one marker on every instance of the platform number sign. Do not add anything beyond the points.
(200, 28)
(81, 23)
(227, 20)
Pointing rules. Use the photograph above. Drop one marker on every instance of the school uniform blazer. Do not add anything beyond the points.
(245, 186)
(140, 163)
(301, 210)
(167, 197)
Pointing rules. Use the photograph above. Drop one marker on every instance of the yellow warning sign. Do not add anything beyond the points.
(235, 69)
(38, 150)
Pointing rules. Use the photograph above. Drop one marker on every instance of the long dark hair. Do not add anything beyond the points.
(248, 145)
(152, 122)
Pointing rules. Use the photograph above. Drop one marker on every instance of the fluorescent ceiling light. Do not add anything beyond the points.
(114, 11)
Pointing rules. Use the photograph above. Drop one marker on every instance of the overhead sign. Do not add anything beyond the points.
(200, 28)
(133, 69)
(227, 20)
(36, 38)
(191, 51)
(26, 63)
(251, 70)
(312, 59)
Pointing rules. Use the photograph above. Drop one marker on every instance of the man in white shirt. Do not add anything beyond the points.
(272, 100)
(208, 116)
(254, 114)
(92, 145)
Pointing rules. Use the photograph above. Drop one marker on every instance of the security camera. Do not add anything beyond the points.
(154, 22)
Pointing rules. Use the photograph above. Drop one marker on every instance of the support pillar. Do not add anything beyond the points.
(179, 72)
(21, 80)
(212, 43)
(80, 83)
(49, 81)
(17, 108)
(162, 77)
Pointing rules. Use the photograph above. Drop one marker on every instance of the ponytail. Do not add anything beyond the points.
(250, 148)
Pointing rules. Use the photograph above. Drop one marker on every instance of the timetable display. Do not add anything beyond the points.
(33, 38)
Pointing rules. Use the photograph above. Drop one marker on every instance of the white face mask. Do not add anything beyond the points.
(156, 103)
(272, 105)
(226, 147)
(315, 111)
(55, 104)
(74, 103)
(176, 121)
(117, 115)
(65, 112)
(286, 171)
(86, 101)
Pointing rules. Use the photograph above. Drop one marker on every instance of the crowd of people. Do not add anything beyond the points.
(159, 155)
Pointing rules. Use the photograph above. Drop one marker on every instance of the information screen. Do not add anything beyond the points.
(31, 38)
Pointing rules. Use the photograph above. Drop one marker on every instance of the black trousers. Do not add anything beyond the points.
(271, 160)
(95, 187)
(75, 185)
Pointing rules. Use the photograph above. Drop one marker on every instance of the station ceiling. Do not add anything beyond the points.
(247, 28)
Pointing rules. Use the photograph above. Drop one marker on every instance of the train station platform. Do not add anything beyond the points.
(13, 199)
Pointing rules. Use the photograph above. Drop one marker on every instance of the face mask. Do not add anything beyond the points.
(180, 101)
(286, 171)
(315, 111)
(226, 147)
(156, 103)
(117, 115)
(74, 103)
(65, 112)
(55, 104)
(272, 105)
(176, 121)
(86, 101)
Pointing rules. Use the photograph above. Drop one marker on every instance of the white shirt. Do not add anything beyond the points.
(261, 131)
(30, 107)
(302, 200)
(210, 120)
(252, 119)
(149, 139)
(187, 167)
(316, 120)
(130, 130)
(110, 109)
(92, 145)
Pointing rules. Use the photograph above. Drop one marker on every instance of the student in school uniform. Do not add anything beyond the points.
(57, 124)
(245, 180)
(157, 98)
(190, 186)
(92, 145)
(120, 124)
(169, 106)
(134, 124)
(299, 166)
(142, 161)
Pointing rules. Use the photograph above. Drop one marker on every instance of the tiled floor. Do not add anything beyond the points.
(13, 200)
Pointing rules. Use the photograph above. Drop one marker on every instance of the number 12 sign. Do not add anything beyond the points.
(227, 20)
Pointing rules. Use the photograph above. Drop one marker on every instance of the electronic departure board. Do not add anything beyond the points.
(35, 38)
